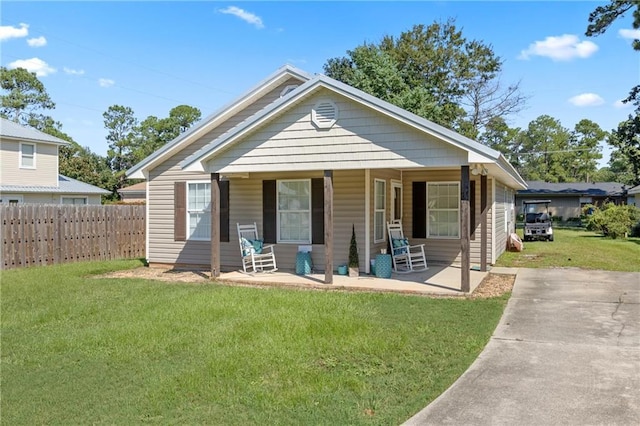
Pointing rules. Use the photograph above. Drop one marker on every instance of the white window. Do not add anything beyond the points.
(199, 210)
(74, 200)
(379, 213)
(443, 209)
(294, 211)
(27, 156)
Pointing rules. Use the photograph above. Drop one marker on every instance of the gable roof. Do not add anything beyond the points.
(12, 130)
(140, 187)
(599, 189)
(634, 190)
(479, 151)
(140, 170)
(66, 185)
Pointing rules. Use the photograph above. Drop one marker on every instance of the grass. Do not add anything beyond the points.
(80, 350)
(577, 248)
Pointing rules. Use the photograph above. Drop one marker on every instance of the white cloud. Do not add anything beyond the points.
(561, 48)
(7, 31)
(37, 65)
(106, 82)
(586, 100)
(621, 105)
(630, 34)
(244, 15)
(37, 41)
(71, 71)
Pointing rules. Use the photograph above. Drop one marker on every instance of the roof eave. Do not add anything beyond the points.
(140, 170)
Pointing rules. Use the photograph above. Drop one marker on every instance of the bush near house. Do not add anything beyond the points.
(614, 221)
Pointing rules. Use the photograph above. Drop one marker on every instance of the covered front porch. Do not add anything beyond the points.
(438, 280)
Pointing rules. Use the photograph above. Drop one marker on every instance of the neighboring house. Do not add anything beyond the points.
(568, 199)
(29, 169)
(136, 193)
(633, 196)
(306, 157)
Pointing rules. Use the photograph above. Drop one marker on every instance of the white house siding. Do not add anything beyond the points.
(361, 138)
(45, 173)
(56, 198)
(162, 247)
(444, 250)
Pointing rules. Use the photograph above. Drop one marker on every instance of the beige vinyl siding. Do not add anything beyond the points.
(162, 247)
(361, 138)
(46, 160)
(565, 206)
(505, 216)
(444, 250)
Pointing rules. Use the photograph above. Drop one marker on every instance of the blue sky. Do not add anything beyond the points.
(153, 56)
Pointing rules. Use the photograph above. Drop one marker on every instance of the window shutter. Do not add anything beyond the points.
(317, 211)
(472, 208)
(179, 211)
(419, 209)
(224, 210)
(269, 211)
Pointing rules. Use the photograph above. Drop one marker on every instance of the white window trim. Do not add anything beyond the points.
(62, 197)
(396, 184)
(279, 240)
(438, 237)
(187, 211)
(376, 210)
(22, 166)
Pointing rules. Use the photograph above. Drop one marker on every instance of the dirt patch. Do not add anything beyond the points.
(161, 274)
(494, 285)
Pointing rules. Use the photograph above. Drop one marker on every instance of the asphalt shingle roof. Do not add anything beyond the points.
(577, 188)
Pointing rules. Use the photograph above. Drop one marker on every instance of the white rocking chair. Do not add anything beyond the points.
(406, 258)
(256, 257)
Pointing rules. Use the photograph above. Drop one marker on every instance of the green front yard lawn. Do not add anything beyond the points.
(82, 350)
(577, 248)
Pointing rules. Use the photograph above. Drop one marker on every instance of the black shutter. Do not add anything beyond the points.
(472, 208)
(179, 211)
(419, 209)
(224, 210)
(317, 211)
(269, 222)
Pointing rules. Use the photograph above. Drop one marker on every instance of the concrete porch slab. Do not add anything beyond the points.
(437, 280)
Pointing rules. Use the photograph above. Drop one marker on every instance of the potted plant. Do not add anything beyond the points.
(354, 264)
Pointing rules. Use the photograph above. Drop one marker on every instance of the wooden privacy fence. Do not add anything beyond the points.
(43, 234)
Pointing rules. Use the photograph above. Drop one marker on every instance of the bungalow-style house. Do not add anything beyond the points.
(568, 199)
(29, 169)
(307, 157)
(136, 193)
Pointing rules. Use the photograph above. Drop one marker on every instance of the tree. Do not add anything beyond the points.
(121, 123)
(626, 138)
(429, 70)
(499, 136)
(603, 16)
(80, 163)
(582, 164)
(25, 97)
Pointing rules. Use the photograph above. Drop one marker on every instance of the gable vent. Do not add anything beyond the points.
(324, 114)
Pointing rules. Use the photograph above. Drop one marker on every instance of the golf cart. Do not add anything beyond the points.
(537, 220)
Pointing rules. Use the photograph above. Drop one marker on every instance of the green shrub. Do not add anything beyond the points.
(611, 220)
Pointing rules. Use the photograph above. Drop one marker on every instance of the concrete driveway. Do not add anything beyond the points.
(566, 351)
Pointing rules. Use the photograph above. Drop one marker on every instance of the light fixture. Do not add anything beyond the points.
(478, 169)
